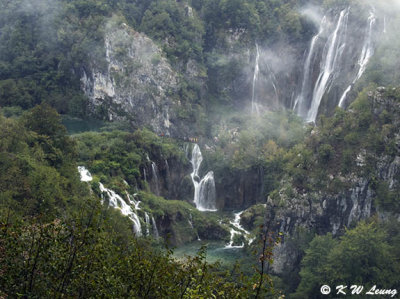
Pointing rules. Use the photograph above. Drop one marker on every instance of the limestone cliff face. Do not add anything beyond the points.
(326, 212)
(136, 82)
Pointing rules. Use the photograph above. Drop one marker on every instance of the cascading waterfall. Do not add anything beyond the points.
(237, 230)
(132, 201)
(306, 87)
(332, 52)
(255, 78)
(116, 202)
(155, 230)
(204, 189)
(85, 174)
(366, 54)
(154, 170)
(190, 221)
(147, 221)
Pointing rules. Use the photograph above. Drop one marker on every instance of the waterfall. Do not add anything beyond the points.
(155, 230)
(301, 101)
(168, 174)
(155, 178)
(116, 202)
(255, 78)
(147, 221)
(384, 24)
(85, 174)
(186, 149)
(190, 221)
(204, 189)
(273, 81)
(167, 167)
(332, 52)
(133, 201)
(144, 174)
(237, 230)
(366, 54)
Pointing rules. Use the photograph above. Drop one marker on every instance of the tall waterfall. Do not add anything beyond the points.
(332, 53)
(147, 221)
(366, 54)
(155, 230)
(204, 189)
(154, 170)
(273, 82)
(337, 58)
(255, 78)
(306, 87)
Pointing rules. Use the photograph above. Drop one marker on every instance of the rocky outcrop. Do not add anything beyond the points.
(136, 82)
(325, 211)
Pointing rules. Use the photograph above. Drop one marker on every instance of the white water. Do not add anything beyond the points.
(155, 178)
(332, 52)
(237, 230)
(204, 189)
(85, 174)
(190, 221)
(366, 54)
(133, 201)
(147, 221)
(118, 203)
(145, 175)
(155, 230)
(384, 24)
(255, 78)
(301, 100)
(273, 82)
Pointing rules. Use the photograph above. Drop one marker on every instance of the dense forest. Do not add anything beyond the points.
(199, 149)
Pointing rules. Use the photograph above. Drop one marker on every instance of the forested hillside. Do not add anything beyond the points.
(199, 149)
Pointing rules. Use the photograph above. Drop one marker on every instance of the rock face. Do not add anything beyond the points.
(172, 180)
(136, 82)
(241, 189)
(323, 212)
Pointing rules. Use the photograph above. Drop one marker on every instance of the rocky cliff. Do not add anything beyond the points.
(363, 192)
(134, 82)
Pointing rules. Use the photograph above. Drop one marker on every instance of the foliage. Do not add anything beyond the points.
(363, 256)
(124, 155)
(58, 240)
